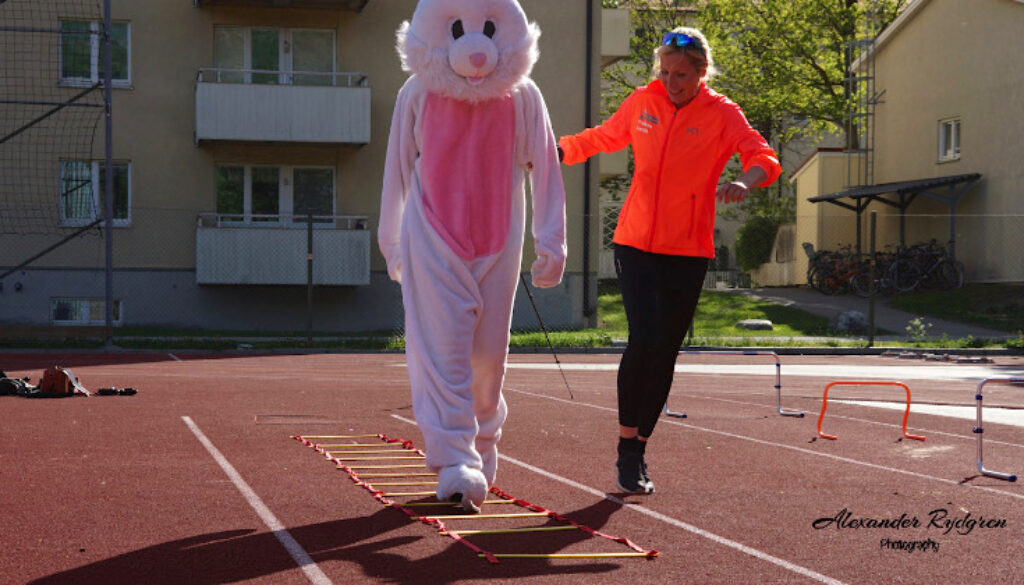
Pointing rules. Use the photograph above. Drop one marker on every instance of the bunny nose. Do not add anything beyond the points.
(478, 60)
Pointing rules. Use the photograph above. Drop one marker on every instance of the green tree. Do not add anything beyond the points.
(785, 62)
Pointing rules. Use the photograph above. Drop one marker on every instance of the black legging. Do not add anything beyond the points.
(659, 294)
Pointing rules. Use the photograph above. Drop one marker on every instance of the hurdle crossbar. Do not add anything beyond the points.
(778, 378)
(978, 430)
(824, 404)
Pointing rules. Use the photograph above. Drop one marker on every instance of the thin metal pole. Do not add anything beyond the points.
(551, 346)
(872, 289)
(309, 277)
(109, 179)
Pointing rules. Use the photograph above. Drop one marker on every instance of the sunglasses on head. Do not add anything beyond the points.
(682, 40)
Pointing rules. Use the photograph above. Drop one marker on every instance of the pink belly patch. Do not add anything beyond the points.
(466, 172)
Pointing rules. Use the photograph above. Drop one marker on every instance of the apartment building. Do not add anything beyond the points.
(237, 125)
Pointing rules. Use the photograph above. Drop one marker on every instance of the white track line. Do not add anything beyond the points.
(789, 447)
(174, 357)
(301, 557)
(668, 520)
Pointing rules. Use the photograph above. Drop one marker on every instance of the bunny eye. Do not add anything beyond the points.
(457, 30)
(489, 29)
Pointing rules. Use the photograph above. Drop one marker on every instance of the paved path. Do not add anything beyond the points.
(886, 317)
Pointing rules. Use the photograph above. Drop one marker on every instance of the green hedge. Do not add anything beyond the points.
(754, 242)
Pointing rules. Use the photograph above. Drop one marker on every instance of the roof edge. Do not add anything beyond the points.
(894, 27)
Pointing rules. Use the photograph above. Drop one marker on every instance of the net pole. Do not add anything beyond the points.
(109, 179)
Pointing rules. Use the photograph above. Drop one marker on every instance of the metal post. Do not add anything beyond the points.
(108, 187)
(309, 277)
(871, 281)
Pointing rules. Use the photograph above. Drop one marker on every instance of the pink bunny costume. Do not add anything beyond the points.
(469, 127)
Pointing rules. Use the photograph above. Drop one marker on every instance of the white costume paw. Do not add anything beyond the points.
(462, 484)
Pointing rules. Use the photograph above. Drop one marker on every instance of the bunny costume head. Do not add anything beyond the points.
(470, 50)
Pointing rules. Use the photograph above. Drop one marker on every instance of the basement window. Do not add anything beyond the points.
(82, 311)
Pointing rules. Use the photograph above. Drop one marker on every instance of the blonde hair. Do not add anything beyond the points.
(704, 61)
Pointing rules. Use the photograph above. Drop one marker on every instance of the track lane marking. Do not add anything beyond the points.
(667, 519)
(298, 554)
(789, 447)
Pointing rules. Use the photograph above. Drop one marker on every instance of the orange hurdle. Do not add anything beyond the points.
(824, 404)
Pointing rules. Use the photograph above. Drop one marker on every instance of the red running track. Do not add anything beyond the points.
(196, 479)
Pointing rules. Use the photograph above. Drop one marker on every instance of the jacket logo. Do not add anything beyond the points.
(646, 122)
(693, 130)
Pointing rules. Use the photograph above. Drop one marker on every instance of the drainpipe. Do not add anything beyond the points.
(588, 310)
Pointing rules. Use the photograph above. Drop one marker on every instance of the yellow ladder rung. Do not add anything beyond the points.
(398, 475)
(567, 555)
(340, 436)
(407, 494)
(330, 453)
(373, 458)
(407, 483)
(511, 530)
(385, 466)
(486, 516)
(455, 505)
(396, 446)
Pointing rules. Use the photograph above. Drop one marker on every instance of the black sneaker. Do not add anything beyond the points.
(643, 474)
(632, 474)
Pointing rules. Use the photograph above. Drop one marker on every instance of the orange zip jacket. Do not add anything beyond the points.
(679, 156)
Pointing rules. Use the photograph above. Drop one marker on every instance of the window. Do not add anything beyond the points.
(949, 139)
(82, 311)
(82, 53)
(267, 194)
(274, 56)
(83, 192)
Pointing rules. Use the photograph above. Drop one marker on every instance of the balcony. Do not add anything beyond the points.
(273, 250)
(349, 5)
(280, 106)
(615, 36)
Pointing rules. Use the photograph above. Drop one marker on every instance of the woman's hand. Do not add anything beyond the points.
(739, 189)
(732, 192)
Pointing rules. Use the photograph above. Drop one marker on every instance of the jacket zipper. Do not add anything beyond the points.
(661, 169)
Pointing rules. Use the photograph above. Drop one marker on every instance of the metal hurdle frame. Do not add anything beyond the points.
(978, 430)
(778, 379)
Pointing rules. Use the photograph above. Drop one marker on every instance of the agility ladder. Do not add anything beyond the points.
(396, 463)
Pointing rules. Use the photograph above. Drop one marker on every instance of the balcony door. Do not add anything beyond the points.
(274, 55)
(282, 195)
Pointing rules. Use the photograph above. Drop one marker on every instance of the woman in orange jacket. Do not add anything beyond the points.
(683, 134)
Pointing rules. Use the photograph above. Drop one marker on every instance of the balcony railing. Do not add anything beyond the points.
(350, 5)
(282, 106)
(274, 249)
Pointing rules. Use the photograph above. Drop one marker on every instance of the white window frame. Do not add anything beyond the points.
(83, 311)
(97, 188)
(95, 67)
(285, 197)
(285, 44)
(949, 152)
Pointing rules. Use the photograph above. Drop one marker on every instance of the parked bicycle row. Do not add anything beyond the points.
(904, 269)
